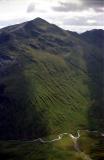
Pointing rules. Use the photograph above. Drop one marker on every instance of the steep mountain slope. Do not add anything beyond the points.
(49, 80)
(95, 63)
(95, 37)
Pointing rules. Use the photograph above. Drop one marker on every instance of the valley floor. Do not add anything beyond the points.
(84, 146)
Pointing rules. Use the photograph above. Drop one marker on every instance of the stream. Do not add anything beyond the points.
(74, 139)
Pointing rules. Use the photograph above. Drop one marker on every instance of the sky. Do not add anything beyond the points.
(73, 15)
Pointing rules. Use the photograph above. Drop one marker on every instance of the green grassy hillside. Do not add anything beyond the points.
(50, 94)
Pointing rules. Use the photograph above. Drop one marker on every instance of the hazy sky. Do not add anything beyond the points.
(75, 15)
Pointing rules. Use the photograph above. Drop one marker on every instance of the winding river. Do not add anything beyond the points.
(60, 136)
(74, 139)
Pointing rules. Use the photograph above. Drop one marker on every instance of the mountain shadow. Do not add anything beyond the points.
(19, 115)
(95, 66)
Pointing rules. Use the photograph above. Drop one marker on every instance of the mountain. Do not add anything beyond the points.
(95, 37)
(51, 80)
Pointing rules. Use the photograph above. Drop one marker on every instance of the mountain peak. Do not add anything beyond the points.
(38, 21)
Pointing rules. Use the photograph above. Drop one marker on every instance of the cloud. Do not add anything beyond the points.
(80, 22)
(97, 5)
(91, 22)
(84, 21)
(12, 21)
(66, 7)
(31, 8)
